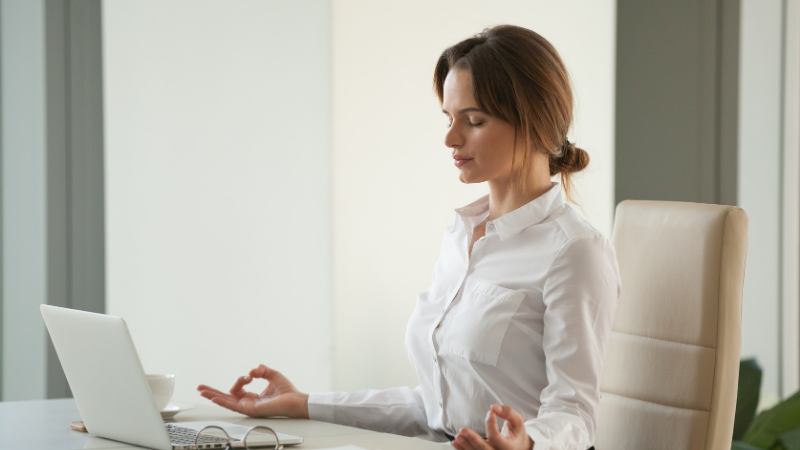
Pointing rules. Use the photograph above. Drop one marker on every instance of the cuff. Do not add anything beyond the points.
(556, 433)
(540, 442)
(321, 407)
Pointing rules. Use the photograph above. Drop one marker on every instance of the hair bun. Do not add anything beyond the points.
(573, 159)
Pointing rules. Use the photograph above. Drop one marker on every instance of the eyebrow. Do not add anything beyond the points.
(465, 110)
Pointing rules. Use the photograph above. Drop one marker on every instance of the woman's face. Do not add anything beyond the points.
(483, 146)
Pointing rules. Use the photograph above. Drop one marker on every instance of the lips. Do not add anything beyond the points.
(460, 160)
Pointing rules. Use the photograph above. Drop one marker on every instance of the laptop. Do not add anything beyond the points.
(111, 390)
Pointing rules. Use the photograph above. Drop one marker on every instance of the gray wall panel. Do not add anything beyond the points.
(52, 182)
(673, 90)
(58, 198)
(87, 205)
(24, 198)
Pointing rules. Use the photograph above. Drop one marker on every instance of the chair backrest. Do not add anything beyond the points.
(672, 367)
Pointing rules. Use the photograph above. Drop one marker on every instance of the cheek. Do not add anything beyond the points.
(494, 148)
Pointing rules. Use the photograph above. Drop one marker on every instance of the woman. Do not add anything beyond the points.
(516, 322)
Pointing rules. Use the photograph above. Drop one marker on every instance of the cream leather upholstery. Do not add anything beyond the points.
(672, 368)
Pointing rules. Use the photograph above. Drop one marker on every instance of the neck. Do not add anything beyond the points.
(505, 195)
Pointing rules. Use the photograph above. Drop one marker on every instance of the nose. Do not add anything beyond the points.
(453, 138)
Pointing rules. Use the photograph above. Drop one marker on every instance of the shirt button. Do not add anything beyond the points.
(440, 403)
(434, 358)
(490, 226)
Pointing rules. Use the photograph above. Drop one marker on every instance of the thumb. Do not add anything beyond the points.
(264, 372)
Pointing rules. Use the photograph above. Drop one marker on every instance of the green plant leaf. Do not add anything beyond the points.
(791, 440)
(770, 425)
(747, 396)
(739, 445)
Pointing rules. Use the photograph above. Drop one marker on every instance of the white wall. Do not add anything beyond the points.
(220, 201)
(394, 184)
(760, 184)
(217, 120)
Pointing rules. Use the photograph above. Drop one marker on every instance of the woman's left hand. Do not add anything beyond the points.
(513, 436)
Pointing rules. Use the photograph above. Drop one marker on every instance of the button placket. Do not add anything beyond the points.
(438, 376)
(435, 369)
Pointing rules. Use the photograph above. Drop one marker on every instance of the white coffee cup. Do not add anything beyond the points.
(162, 387)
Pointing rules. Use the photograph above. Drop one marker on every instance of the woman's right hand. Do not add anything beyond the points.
(280, 398)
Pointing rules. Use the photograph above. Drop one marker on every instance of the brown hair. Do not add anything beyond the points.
(518, 77)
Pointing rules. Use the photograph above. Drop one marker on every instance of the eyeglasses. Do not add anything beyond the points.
(278, 445)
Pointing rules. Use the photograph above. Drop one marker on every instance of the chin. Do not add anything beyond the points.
(467, 179)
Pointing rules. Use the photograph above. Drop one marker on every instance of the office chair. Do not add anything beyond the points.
(672, 367)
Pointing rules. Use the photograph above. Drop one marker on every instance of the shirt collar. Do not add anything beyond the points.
(508, 225)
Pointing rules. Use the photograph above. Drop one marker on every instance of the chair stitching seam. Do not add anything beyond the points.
(663, 340)
(656, 403)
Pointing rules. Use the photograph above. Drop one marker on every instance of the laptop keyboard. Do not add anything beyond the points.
(183, 437)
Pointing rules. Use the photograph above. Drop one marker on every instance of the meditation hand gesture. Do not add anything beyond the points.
(513, 436)
(280, 398)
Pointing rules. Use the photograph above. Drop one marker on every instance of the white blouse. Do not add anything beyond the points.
(524, 322)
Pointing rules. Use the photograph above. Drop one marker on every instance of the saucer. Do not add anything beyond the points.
(174, 408)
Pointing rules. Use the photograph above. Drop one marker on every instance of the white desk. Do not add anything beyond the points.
(44, 425)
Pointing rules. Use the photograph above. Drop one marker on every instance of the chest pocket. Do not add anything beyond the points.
(480, 323)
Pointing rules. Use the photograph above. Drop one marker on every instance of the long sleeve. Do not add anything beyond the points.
(398, 410)
(580, 296)
(524, 320)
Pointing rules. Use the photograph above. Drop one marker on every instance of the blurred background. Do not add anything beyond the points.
(266, 181)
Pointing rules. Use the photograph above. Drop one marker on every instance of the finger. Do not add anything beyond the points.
(264, 372)
(514, 419)
(461, 442)
(215, 393)
(203, 387)
(238, 387)
(457, 445)
(492, 432)
(476, 440)
(210, 395)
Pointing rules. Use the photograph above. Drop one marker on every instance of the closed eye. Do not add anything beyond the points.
(471, 124)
